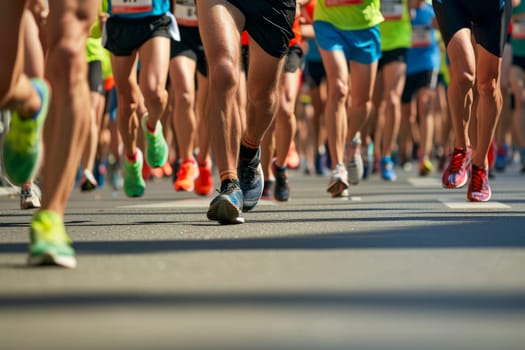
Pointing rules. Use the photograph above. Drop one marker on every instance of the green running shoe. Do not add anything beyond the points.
(50, 244)
(156, 146)
(23, 145)
(134, 184)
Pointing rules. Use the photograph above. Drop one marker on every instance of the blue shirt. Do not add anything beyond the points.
(424, 54)
(138, 8)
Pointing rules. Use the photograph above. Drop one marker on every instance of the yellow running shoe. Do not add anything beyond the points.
(23, 145)
(50, 244)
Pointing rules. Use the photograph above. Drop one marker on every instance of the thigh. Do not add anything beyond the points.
(336, 68)
(363, 76)
(220, 25)
(124, 73)
(182, 76)
(263, 72)
(10, 45)
(70, 20)
(154, 63)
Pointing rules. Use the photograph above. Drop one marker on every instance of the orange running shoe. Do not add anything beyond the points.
(293, 161)
(204, 182)
(167, 170)
(186, 176)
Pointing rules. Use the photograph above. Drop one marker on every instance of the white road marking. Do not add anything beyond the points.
(456, 203)
(186, 203)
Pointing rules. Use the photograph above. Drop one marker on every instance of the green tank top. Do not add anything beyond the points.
(396, 31)
(349, 14)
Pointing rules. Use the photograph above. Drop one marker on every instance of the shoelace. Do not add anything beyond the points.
(456, 160)
(478, 179)
(183, 170)
(249, 173)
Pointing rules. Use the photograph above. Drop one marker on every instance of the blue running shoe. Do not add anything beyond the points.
(23, 146)
(251, 180)
(227, 206)
(387, 169)
(501, 158)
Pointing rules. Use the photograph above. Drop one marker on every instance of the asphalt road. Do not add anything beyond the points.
(404, 265)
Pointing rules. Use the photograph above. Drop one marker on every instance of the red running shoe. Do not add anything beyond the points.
(203, 184)
(479, 188)
(457, 173)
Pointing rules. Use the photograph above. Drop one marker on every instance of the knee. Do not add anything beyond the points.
(224, 76)
(67, 59)
(263, 99)
(127, 102)
(155, 97)
(339, 90)
(464, 79)
(393, 101)
(488, 87)
(183, 100)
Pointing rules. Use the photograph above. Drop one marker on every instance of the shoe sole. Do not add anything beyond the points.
(452, 187)
(52, 260)
(225, 212)
(337, 188)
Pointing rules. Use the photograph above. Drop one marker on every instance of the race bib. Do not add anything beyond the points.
(330, 3)
(518, 29)
(392, 9)
(186, 13)
(421, 36)
(131, 6)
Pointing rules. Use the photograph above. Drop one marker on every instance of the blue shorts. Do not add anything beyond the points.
(363, 46)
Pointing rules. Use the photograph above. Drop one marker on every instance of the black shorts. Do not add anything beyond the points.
(125, 35)
(487, 19)
(294, 59)
(314, 73)
(394, 55)
(269, 23)
(519, 61)
(96, 83)
(416, 81)
(190, 45)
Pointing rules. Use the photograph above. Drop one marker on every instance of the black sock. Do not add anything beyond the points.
(247, 153)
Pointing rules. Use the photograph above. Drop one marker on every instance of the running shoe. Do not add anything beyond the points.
(30, 196)
(167, 170)
(425, 167)
(293, 161)
(22, 151)
(113, 173)
(204, 182)
(226, 208)
(268, 189)
(355, 161)
(49, 242)
(479, 188)
(338, 181)
(88, 182)
(251, 180)
(186, 176)
(319, 163)
(100, 172)
(501, 158)
(281, 191)
(457, 173)
(387, 169)
(134, 185)
(156, 146)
